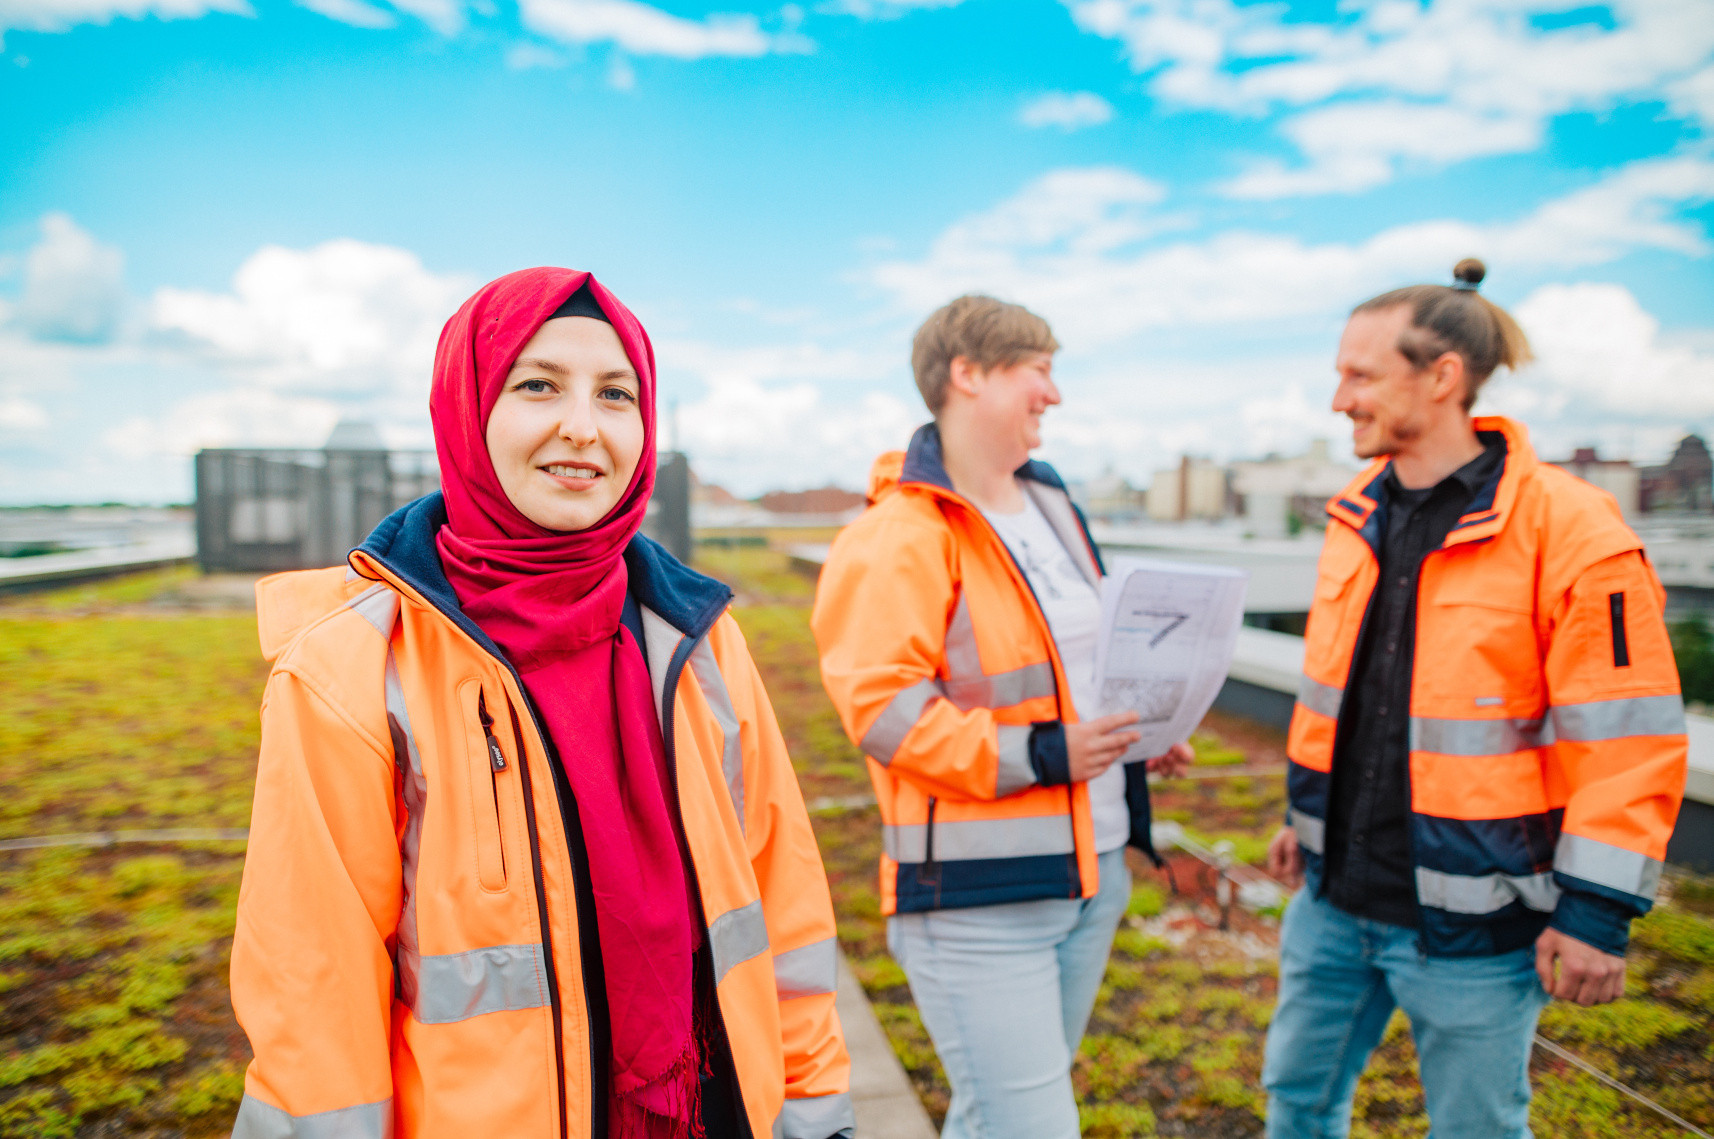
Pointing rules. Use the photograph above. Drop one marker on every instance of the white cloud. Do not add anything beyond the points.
(1394, 82)
(353, 12)
(344, 318)
(643, 29)
(884, 9)
(246, 417)
(73, 285)
(525, 56)
(1071, 244)
(63, 15)
(621, 76)
(1353, 146)
(1597, 344)
(20, 415)
(1068, 111)
(786, 415)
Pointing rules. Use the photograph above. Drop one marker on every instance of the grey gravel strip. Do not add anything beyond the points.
(886, 1104)
(114, 838)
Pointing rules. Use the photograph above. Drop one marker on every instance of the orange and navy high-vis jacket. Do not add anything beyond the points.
(1547, 745)
(944, 672)
(413, 955)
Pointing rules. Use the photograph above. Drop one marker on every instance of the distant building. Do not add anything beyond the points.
(1685, 483)
(1196, 488)
(1618, 477)
(1108, 495)
(1278, 494)
(829, 500)
(265, 509)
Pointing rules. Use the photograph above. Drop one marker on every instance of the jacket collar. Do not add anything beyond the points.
(1359, 504)
(403, 545)
(925, 465)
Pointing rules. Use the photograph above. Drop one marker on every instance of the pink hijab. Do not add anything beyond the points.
(552, 601)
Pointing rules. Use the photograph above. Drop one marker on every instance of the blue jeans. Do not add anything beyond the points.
(1005, 993)
(1473, 1020)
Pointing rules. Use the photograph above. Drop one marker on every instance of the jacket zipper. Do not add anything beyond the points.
(550, 968)
(669, 698)
(579, 874)
(497, 764)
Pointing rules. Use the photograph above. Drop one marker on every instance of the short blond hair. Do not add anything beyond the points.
(987, 332)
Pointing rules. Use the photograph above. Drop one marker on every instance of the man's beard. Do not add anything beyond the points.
(1393, 439)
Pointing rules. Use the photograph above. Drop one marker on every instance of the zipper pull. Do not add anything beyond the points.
(496, 757)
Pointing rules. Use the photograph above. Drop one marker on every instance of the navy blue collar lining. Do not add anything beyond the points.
(925, 463)
(404, 543)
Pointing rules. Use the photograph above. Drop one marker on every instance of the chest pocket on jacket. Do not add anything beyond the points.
(493, 777)
(1476, 642)
(1332, 628)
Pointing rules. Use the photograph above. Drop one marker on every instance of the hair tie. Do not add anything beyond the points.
(1467, 286)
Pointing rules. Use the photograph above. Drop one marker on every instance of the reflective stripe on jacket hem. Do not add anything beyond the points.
(817, 1117)
(258, 1120)
(1485, 893)
(1607, 865)
(980, 838)
(807, 971)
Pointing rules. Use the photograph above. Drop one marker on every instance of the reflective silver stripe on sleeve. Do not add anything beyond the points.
(807, 972)
(1311, 831)
(258, 1120)
(817, 1117)
(1478, 737)
(707, 672)
(414, 791)
(1607, 865)
(1015, 772)
(379, 606)
(736, 936)
(1320, 698)
(901, 714)
(980, 838)
(1616, 719)
(1486, 893)
(499, 978)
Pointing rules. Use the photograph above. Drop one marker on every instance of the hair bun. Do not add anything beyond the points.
(1469, 272)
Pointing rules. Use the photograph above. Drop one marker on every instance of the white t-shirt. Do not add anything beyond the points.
(1073, 613)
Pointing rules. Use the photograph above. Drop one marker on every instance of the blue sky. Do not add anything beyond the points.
(230, 222)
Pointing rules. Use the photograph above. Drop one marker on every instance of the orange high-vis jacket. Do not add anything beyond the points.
(1547, 745)
(412, 955)
(942, 667)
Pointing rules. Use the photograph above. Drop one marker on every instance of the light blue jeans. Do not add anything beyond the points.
(1005, 993)
(1473, 1020)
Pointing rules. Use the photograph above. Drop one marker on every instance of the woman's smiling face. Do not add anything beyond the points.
(567, 431)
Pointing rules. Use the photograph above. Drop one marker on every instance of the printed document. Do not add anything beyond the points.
(1168, 630)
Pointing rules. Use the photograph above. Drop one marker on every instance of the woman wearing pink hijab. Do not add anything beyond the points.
(528, 856)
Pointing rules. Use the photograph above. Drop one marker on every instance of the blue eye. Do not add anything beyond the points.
(616, 394)
(537, 386)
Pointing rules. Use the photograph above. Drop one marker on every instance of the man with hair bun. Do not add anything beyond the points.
(1488, 750)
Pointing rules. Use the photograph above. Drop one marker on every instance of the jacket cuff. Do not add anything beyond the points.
(1594, 920)
(1048, 757)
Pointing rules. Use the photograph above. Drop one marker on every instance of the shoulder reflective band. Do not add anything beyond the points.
(1616, 613)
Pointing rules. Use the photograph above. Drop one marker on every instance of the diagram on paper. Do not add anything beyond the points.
(1154, 698)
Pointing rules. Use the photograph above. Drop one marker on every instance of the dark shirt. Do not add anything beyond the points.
(1370, 872)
